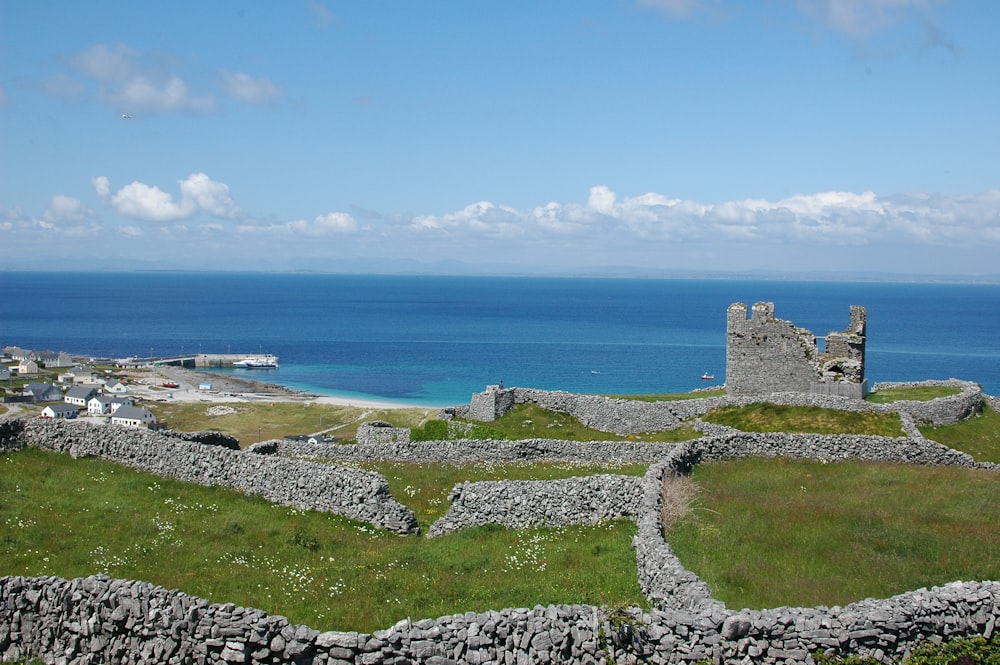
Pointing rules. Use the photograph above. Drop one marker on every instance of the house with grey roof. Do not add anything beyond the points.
(79, 395)
(41, 392)
(115, 387)
(17, 353)
(59, 410)
(26, 367)
(133, 416)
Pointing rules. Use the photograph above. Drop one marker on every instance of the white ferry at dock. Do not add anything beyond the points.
(267, 361)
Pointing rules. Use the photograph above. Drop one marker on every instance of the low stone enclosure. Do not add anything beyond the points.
(99, 620)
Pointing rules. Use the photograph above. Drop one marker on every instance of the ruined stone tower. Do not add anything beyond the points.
(765, 354)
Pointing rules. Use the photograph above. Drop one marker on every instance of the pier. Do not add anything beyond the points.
(194, 360)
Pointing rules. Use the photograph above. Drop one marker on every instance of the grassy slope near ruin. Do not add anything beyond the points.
(66, 517)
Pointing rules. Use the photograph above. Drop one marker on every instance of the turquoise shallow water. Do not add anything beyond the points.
(436, 340)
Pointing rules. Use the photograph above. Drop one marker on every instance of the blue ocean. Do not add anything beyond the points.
(433, 341)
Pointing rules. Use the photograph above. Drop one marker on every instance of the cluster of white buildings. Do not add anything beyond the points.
(80, 389)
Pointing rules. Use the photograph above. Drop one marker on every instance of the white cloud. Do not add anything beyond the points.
(141, 94)
(102, 186)
(857, 19)
(132, 81)
(602, 200)
(106, 62)
(863, 17)
(199, 193)
(321, 13)
(676, 8)
(337, 222)
(208, 195)
(67, 209)
(244, 88)
(333, 223)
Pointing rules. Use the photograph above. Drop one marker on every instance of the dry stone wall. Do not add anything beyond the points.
(623, 417)
(553, 503)
(353, 493)
(102, 620)
(470, 451)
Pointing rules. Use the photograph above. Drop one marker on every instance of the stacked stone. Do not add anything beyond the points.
(553, 503)
(607, 414)
(830, 447)
(208, 438)
(98, 620)
(463, 451)
(940, 410)
(664, 580)
(361, 495)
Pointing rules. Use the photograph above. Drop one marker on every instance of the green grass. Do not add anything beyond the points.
(767, 417)
(767, 533)
(527, 421)
(979, 436)
(66, 517)
(915, 393)
(252, 421)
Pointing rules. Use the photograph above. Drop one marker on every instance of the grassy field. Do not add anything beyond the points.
(526, 421)
(251, 422)
(669, 397)
(914, 393)
(766, 533)
(979, 436)
(66, 517)
(767, 417)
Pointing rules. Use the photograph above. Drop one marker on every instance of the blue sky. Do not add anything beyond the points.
(648, 137)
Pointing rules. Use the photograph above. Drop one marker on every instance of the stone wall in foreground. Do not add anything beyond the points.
(102, 620)
(353, 493)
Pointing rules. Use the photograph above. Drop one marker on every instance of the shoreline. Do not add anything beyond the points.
(226, 388)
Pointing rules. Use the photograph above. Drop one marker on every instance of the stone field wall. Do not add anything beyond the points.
(522, 503)
(102, 620)
(97, 620)
(353, 493)
(623, 416)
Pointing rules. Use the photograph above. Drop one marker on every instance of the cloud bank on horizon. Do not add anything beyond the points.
(685, 135)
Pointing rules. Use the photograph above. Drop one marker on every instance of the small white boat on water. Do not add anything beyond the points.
(258, 362)
(707, 377)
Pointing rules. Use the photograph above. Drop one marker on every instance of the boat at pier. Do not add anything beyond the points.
(257, 362)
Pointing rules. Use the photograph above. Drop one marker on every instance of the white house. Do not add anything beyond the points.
(115, 387)
(17, 353)
(79, 395)
(133, 416)
(62, 359)
(27, 367)
(104, 405)
(59, 410)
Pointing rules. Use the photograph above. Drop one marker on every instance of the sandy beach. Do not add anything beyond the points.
(227, 388)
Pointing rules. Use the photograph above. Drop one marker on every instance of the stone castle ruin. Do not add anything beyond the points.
(765, 354)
